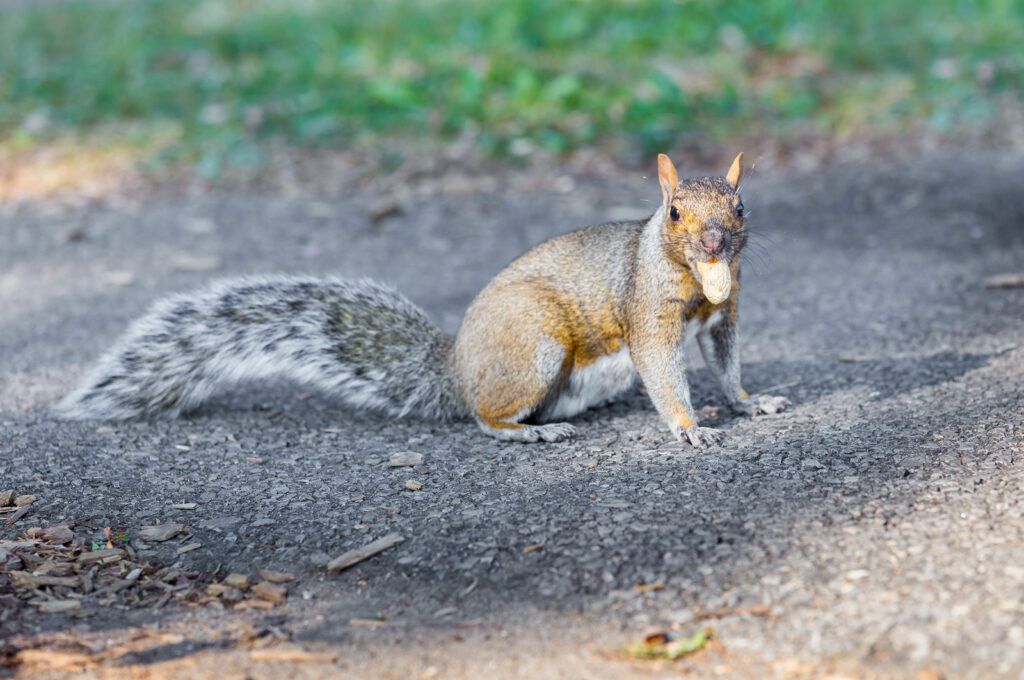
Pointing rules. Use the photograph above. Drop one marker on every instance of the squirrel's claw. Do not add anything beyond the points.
(699, 436)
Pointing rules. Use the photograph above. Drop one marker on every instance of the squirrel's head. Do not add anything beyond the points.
(703, 216)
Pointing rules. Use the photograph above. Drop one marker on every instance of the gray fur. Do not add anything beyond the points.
(360, 342)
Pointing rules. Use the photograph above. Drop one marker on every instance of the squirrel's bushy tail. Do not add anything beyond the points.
(360, 342)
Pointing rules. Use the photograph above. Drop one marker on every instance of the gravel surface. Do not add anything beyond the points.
(873, 530)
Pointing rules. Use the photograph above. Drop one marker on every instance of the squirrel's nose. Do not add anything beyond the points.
(712, 243)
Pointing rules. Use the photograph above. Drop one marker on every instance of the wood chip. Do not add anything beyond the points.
(53, 659)
(119, 277)
(6, 497)
(196, 263)
(275, 576)
(648, 587)
(369, 550)
(57, 534)
(27, 499)
(405, 459)
(106, 430)
(531, 548)
(268, 591)
(291, 655)
(369, 623)
(236, 580)
(189, 548)
(754, 610)
(384, 209)
(54, 606)
(217, 589)
(158, 533)
(100, 555)
(254, 604)
(116, 586)
(1005, 281)
(413, 485)
(184, 506)
(24, 579)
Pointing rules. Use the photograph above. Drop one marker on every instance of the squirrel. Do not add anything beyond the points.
(566, 326)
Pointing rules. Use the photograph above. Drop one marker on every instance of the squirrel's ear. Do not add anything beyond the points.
(667, 177)
(735, 173)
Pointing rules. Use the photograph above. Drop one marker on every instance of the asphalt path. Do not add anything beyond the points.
(874, 529)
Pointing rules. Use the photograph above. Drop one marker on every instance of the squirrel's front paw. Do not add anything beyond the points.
(761, 404)
(700, 436)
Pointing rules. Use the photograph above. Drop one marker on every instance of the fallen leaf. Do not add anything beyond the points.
(660, 648)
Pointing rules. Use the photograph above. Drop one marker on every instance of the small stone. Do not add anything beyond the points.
(160, 532)
(320, 559)
(184, 506)
(6, 497)
(53, 606)
(27, 499)
(405, 459)
(232, 595)
(413, 485)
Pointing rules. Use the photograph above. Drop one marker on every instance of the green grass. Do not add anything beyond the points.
(637, 75)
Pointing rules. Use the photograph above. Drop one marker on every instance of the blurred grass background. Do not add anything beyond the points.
(213, 81)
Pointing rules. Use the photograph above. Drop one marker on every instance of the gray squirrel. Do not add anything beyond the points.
(564, 327)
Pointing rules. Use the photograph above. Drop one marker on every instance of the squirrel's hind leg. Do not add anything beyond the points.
(520, 376)
(521, 432)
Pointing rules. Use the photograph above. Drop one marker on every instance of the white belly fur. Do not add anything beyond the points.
(593, 384)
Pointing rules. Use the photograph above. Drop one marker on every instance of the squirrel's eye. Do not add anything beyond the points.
(739, 210)
(674, 214)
